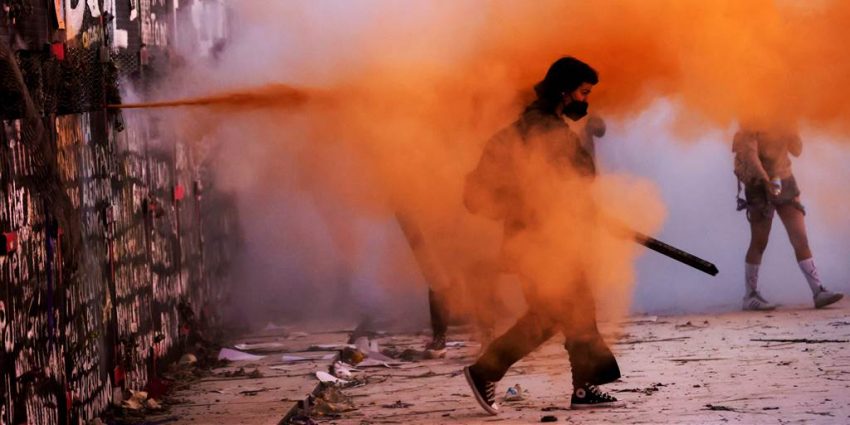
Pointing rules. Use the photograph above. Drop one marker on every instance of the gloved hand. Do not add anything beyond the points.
(595, 126)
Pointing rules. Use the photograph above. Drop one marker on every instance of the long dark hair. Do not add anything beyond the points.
(564, 76)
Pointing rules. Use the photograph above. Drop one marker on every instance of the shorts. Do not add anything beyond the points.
(759, 206)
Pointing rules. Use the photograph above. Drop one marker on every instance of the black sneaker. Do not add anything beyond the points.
(590, 396)
(485, 391)
(436, 349)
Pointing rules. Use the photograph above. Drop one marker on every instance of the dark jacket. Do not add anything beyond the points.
(495, 187)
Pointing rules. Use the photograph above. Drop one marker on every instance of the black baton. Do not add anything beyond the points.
(676, 254)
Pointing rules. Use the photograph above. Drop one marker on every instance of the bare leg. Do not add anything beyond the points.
(759, 234)
(795, 225)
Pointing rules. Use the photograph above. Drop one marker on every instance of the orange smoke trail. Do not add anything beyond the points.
(272, 96)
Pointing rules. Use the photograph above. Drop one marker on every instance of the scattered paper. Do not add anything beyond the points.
(292, 358)
(369, 362)
(259, 346)
(236, 355)
(327, 378)
(344, 370)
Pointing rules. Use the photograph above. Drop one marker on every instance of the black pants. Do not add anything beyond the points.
(439, 313)
(574, 316)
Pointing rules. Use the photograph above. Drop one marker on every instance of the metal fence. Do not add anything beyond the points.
(157, 236)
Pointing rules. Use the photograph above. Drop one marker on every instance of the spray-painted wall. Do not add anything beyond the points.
(156, 235)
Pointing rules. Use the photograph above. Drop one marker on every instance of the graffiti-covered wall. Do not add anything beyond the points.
(155, 234)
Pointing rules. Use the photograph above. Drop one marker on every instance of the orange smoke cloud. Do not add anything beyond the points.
(418, 88)
(725, 61)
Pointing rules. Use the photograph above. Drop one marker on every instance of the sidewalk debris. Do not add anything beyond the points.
(292, 358)
(330, 347)
(697, 359)
(514, 393)
(327, 378)
(254, 374)
(330, 402)
(152, 404)
(365, 345)
(800, 340)
(648, 390)
(397, 405)
(351, 356)
(236, 355)
(370, 362)
(301, 420)
(261, 346)
(343, 370)
(690, 325)
(188, 359)
(139, 400)
(720, 408)
(651, 340)
(549, 418)
(255, 391)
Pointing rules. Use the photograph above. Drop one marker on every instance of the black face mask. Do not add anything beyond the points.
(575, 110)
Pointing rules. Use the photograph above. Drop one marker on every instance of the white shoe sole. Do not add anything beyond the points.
(612, 405)
(490, 409)
(758, 306)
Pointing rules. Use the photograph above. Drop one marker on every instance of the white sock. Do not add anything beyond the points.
(809, 270)
(751, 276)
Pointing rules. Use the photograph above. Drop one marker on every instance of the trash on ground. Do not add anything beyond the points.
(330, 402)
(800, 340)
(351, 356)
(188, 359)
(648, 390)
(397, 405)
(293, 358)
(330, 347)
(152, 404)
(261, 346)
(241, 372)
(370, 362)
(365, 345)
(136, 400)
(549, 418)
(327, 378)
(343, 370)
(721, 408)
(515, 393)
(236, 355)
(253, 392)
